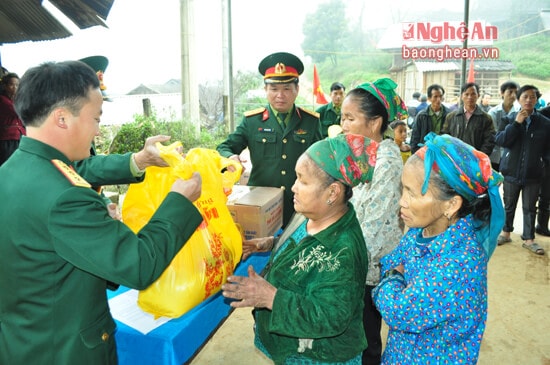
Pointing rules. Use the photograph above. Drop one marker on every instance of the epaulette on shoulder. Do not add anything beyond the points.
(310, 112)
(254, 112)
(71, 174)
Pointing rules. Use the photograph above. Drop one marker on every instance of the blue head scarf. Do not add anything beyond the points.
(468, 171)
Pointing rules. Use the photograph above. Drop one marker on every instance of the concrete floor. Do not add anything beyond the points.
(518, 328)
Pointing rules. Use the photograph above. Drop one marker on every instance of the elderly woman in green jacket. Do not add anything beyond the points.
(309, 306)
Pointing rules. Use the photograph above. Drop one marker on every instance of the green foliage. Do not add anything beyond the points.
(355, 69)
(529, 54)
(324, 31)
(131, 137)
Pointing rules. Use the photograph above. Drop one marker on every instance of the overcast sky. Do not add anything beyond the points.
(143, 38)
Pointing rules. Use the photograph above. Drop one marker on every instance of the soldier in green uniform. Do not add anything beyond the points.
(58, 244)
(329, 114)
(277, 134)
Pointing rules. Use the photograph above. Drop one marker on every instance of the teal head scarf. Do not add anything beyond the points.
(468, 171)
(384, 90)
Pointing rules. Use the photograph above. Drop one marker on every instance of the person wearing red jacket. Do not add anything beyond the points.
(11, 126)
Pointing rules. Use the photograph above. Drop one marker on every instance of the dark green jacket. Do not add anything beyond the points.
(273, 151)
(327, 116)
(320, 285)
(58, 247)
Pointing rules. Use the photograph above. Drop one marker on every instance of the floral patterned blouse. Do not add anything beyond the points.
(377, 207)
(436, 313)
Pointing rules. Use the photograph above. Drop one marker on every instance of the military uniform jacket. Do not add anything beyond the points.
(327, 116)
(58, 246)
(273, 151)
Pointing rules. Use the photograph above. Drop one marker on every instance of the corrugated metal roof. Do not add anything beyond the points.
(436, 66)
(28, 20)
(479, 65)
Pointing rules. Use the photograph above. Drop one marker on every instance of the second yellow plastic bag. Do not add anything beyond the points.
(212, 253)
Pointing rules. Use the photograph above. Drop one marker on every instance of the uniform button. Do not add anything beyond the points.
(264, 140)
(284, 140)
(283, 188)
(283, 172)
(105, 337)
(303, 141)
(284, 157)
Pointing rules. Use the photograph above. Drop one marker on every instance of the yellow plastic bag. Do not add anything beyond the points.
(212, 253)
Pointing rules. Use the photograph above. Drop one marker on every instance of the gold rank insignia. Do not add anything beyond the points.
(71, 174)
(254, 112)
(310, 112)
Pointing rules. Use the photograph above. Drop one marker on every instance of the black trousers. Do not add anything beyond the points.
(372, 323)
(529, 195)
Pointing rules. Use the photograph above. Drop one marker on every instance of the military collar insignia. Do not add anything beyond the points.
(71, 174)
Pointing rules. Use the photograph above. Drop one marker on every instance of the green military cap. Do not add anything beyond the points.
(281, 68)
(99, 65)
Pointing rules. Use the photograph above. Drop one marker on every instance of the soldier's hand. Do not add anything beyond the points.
(112, 208)
(150, 155)
(238, 159)
(190, 188)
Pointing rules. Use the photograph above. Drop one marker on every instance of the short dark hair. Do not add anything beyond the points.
(468, 85)
(397, 123)
(416, 95)
(508, 85)
(435, 87)
(524, 88)
(6, 78)
(52, 85)
(337, 86)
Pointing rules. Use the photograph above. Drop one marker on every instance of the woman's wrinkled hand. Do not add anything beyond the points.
(251, 291)
(263, 244)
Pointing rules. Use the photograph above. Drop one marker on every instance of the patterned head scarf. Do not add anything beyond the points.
(384, 90)
(468, 171)
(348, 158)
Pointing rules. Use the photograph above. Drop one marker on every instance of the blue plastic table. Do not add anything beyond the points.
(177, 341)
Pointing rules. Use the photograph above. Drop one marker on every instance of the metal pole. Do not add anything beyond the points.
(465, 43)
(227, 51)
(189, 84)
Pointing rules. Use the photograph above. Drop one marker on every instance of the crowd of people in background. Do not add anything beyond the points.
(377, 226)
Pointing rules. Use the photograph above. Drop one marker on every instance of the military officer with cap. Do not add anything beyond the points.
(99, 65)
(278, 133)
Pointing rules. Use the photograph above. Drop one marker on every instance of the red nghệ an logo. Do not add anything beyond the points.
(443, 40)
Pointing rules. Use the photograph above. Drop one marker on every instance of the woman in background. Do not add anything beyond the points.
(11, 127)
(367, 110)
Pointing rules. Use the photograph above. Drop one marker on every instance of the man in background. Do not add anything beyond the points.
(430, 119)
(508, 92)
(469, 123)
(485, 103)
(329, 114)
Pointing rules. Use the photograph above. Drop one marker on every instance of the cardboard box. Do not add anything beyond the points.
(258, 209)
